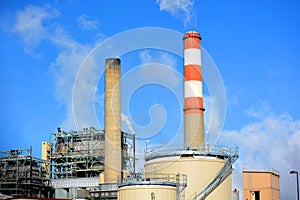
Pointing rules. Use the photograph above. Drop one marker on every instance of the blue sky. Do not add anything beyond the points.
(254, 45)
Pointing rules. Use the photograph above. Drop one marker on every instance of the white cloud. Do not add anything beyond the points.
(271, 142)
(213, 119)
(260, 110)
(65, 69)
(157, 69)
(34, 26)
(85, 23)
(182, 9)
(30, 25)
(100, 99)
(161, 58)
(168, 71)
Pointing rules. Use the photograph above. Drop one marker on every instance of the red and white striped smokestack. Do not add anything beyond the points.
(193, 97)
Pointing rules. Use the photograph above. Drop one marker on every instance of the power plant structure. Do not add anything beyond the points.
(100, 164)
(193, 95)
(208, 169)
(23, 175)
(112, 121)
(78, 163)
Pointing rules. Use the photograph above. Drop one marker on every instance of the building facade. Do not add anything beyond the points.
(261, 184)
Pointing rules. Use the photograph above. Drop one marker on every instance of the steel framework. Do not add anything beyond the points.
(79, 154)
(23, 175)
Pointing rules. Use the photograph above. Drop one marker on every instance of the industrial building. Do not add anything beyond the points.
(77, 161)
(261, 184)
(100, 164)
(23, 175)
(208, 169)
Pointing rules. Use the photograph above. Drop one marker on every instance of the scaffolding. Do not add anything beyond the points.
(77, 154)
(80, 154)
(23, 175)
(77, 161)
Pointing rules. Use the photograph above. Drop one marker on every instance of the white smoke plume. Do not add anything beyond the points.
(182, 9)
(127, 121)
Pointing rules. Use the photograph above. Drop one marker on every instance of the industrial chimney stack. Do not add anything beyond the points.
(112, 121)
(193, 97)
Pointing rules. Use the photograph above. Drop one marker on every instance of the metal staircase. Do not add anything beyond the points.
(221, 176)
(181, 185)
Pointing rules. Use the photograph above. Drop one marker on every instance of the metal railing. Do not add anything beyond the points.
(177, 180)
(221, 176)
(227, 153)
(201, 150)
(149, 178)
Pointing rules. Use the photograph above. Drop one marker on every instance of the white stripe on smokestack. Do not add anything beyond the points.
(191, 56)
(193, 89)
(193, 96)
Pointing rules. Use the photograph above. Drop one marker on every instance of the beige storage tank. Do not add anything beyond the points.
(147, 191)
(200, 171)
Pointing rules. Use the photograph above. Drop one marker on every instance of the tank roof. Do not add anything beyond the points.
(204, 151)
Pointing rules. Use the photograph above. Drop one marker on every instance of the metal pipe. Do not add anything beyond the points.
(30, 170)
(296, 172)
(134, 154)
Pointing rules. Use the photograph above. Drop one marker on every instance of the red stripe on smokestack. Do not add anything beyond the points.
(192, 72)
(193, 97)
(192, 40)
(193, 105)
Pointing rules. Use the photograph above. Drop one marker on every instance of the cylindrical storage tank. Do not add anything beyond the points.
(147, 191)
(200, 171)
